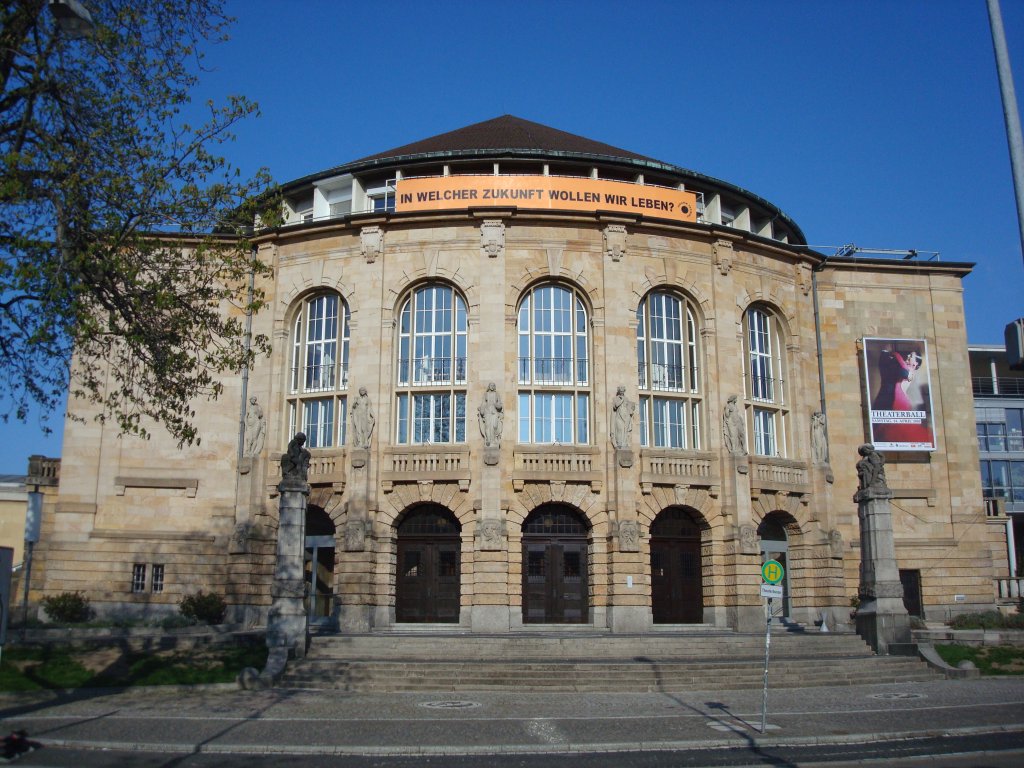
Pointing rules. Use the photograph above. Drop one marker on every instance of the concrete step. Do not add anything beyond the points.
(375, 663)
(476, 648)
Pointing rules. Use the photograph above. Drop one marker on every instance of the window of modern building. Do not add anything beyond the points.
(431, 369)
(765, 383)
(668, 372)
(319, 371)
(139, 577)
(381, 198)
(156, 584)
(1003, 480)
(554, 364)
(1000, 429)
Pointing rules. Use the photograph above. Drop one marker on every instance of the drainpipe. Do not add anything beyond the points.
(248, 346)
(817, 341)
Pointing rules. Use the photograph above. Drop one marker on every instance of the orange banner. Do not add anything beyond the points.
(439, 193)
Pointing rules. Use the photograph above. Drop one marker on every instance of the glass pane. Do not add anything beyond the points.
(524, 418)
(1015, 429)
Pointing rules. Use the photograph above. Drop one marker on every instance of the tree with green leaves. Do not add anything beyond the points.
(126, 272)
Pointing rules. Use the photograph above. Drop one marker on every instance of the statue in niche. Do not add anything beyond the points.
(871, 469)
(629, 536)
(819, 438)
(362, 420)
(491, 415)
(622, 419)
(734, 427)
(255, 428)
(295, 461)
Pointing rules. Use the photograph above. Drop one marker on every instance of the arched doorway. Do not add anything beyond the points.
(775, 546)
(555, 585)
(318, 565)
(677, 585)
(427, 583)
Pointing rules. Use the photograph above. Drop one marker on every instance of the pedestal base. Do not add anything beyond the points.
(490, 618)
(883, 622)
(630, 619)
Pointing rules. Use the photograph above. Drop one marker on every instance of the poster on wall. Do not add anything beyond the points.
(899, 394)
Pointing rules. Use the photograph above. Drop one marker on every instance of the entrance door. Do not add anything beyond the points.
(319, 574)
(775, 546)
(911, 580)
(555, 582)
(677, 590)
(555, 587)
(427, 583)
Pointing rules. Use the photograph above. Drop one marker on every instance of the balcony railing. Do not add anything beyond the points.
(1010, 589)
(432, 370)
(667, 378)
(552, 370)
(319, 378)
(1000, 386)
(767, 472)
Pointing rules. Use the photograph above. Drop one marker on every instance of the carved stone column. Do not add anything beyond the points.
(286, 620)
(882, 619)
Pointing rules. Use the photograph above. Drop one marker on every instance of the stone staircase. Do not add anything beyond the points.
(591, 662)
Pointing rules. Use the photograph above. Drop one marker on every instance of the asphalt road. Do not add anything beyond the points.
(954, 723)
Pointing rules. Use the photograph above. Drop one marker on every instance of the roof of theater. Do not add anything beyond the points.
(506, 133)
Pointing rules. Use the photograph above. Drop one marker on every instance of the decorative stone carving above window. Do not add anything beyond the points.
(615, 241)
(723, 255)
(492, 237)
(372, 242)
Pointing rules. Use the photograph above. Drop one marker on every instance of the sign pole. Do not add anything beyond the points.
(767, 649)
(772, 573)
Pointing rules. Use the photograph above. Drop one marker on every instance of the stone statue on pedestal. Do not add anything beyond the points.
(295, 461)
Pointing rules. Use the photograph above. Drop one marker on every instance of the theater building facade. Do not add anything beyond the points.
(549, 382)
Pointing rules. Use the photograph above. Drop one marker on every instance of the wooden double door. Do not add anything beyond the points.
(427, 581)
(555, 584)
(677, 585)
(555, 581)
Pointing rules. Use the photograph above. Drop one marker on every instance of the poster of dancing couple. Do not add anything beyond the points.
(899, 390)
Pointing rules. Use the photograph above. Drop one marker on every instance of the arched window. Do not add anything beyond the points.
(319, 371)
(431, 367)
(668, 358)
(765, 382)
(554, 365)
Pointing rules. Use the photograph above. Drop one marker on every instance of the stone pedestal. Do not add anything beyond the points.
(286, 623)
(882, 620)
(286, 620)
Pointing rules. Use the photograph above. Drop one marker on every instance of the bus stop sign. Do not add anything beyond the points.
(772, 571)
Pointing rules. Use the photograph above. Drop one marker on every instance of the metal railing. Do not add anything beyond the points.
(999, 386)
(552, 370)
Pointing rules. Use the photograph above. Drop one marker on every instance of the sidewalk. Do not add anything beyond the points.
(221, 719)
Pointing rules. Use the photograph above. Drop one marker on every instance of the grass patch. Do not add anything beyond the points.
(35, 668)
(991, 660)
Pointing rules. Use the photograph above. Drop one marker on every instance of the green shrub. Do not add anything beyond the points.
(67, 608)
(205, 607)
(988, 620)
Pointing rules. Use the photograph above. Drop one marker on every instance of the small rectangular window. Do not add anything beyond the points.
(139, 577)
(157, 584)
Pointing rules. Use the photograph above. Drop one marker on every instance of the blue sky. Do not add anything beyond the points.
(868, 122)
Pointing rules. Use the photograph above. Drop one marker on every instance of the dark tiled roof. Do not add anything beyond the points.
(507, 133)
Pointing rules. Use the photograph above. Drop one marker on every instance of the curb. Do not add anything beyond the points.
(755, 741)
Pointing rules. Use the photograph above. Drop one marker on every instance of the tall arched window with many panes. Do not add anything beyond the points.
(554, 366)
(430, 376)
(765, 385)
(668, 372)
(318, 376)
